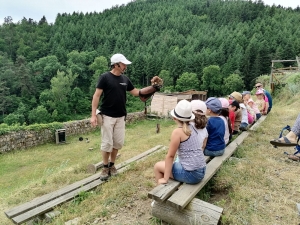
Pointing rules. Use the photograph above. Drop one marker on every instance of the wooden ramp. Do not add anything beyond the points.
(45, 203)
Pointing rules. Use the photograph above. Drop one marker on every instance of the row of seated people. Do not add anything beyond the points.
(203, 129)
(245, 111)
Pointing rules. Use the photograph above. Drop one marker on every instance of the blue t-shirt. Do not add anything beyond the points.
(269, 98)
(216, 131)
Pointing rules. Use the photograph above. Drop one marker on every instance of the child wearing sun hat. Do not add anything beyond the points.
(191, 166)
(215, 145)
(260, 102)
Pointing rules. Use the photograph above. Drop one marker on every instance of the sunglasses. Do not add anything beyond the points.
(258, 86)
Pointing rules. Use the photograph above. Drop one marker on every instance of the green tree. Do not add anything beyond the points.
(233, 82)
(13, 119)
(99, 66)
(39, 115)
(187, 81)
(212, 80)
(60, 92)
(79, 104)
(4, 92)
(168, 81)
(45, 69)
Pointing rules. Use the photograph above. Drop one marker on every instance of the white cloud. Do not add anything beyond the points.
(284, 3)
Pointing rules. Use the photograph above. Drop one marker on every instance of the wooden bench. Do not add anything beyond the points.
(175, 202)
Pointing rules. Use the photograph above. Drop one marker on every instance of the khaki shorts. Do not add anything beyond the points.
(112, 133)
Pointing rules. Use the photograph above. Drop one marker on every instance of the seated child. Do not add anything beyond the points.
(252, 104)
(199, 109)
(224, 115)
(184, 140)
(251, 112)
(215, 145)
(260, 102)
(244, 122)
(238, 112)
(234, 107)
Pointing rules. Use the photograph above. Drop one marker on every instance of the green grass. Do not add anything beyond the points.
(39, 170)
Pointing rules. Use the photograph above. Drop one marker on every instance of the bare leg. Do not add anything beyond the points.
(159, 169)
(292, 136)
(105, 156)
(296, 127)
(113, 155)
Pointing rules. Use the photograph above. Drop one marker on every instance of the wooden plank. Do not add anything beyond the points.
(51, 204)
(258, 122)
(196, 212)
(283, 61)
(187, 192)
(48, 197)
(163, 191)
(92, 168)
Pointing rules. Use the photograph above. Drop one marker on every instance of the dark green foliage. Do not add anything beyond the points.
(167, 37)
(4, 128)
(39, 115)
(187, 81)
(233, 83)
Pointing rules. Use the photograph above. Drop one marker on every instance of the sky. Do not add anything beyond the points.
(36, 9)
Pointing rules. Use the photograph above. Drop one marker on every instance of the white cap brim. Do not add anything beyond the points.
(126, 62)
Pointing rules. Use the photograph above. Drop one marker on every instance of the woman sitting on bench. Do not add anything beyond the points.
(184, 140)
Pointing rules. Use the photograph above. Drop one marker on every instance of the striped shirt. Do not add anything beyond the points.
(189, 152)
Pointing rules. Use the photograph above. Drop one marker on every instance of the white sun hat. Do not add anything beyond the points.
(183, 111)
(117, 58)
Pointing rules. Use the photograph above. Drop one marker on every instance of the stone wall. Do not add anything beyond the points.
(26, 139)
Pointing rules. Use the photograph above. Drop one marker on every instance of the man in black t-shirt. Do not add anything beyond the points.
(112, 87)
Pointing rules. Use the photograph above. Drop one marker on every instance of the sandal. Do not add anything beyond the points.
(284, 143)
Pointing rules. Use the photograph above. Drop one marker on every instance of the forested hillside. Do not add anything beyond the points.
(48, 72)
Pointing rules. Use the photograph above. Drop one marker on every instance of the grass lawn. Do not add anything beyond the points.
(39, 170)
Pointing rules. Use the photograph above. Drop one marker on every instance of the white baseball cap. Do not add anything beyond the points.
(116, 58)
(199, 105)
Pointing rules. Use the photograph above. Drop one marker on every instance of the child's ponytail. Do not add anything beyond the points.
(200, 120)
(186, 129)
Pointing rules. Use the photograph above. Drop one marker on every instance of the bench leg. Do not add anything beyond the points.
(196, 212)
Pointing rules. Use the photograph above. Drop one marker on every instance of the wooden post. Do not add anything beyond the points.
(157, 128)
(92, 168)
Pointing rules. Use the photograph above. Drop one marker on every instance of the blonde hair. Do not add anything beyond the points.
(185, 127)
